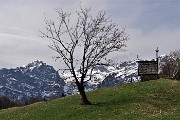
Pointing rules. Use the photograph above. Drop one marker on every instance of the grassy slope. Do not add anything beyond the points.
(147, 100)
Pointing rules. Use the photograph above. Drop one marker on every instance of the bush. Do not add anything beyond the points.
(5, 102)
(171, 66)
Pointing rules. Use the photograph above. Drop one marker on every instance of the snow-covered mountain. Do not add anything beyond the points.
(126, 72)
(37, 79)
(105, 76)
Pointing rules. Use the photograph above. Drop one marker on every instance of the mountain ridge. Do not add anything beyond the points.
(105, 76)
(33, 80)
(37, 79)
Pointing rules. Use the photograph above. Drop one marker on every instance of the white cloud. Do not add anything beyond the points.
(149, 23)
(167, 39)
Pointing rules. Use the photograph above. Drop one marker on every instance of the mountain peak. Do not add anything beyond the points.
(35, 79)
(36, 63)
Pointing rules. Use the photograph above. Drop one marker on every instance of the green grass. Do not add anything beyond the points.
(150, 100)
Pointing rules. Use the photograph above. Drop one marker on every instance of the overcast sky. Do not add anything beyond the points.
(149, 23)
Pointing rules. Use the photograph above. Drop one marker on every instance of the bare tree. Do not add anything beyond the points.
(171, 66)
(83, 43)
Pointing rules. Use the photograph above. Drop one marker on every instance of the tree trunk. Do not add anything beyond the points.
(84, 100)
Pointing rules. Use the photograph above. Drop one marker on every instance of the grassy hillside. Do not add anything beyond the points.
(133, 101)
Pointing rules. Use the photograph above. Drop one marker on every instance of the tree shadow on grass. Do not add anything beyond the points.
(124, 101)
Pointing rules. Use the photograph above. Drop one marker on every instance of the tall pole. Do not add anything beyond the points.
(157, 50)
(157, 60)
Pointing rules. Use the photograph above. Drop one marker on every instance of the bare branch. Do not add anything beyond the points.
(95, 36)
